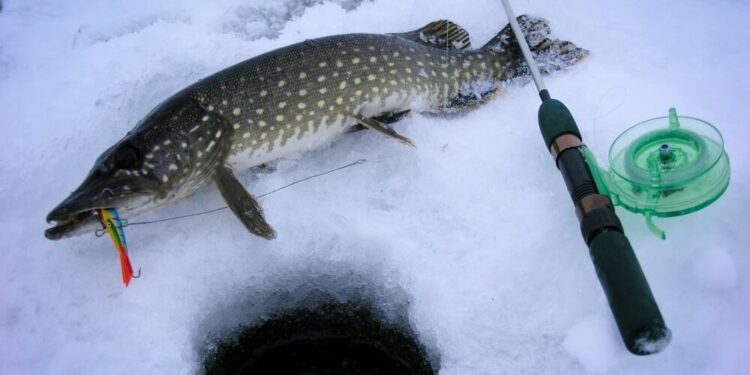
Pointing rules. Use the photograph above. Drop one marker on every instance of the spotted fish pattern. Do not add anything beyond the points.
(297, 98)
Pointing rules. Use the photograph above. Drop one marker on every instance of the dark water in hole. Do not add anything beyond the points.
(334, 338)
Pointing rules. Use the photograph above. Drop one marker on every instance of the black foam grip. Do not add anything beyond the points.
(597, 221)
(638, 318)
(555, 120)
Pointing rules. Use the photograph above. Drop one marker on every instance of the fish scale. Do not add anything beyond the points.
(294, 99)
(299, 91)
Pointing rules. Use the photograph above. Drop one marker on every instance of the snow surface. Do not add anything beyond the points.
(471, 237)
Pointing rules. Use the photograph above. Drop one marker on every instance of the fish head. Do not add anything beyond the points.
(153, 165)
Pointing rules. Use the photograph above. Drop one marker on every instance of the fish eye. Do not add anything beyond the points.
(128, 157)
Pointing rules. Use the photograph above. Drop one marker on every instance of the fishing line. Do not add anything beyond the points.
(126, 223)
(608, 96)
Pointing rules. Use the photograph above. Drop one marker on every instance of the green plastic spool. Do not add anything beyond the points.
(666, 166)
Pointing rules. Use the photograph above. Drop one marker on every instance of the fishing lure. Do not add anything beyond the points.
(112, 225)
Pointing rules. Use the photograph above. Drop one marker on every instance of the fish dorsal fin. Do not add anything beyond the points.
(440, 34)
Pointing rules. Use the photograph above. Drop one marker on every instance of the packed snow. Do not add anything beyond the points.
(471, 236)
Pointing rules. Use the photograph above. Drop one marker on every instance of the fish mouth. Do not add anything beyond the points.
(73, 209)
(70, 224)
(75, 214)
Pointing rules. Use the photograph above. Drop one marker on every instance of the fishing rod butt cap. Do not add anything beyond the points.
(650, 339)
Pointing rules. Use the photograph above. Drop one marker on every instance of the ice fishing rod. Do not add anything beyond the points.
(664, 167)
(630, 299)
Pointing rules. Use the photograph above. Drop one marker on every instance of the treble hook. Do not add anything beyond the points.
(138, 275)
(100, 232)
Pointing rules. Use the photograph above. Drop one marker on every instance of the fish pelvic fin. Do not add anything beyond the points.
(383, 129)
(242, 203)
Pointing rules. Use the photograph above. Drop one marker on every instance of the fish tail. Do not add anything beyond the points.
(550, 54)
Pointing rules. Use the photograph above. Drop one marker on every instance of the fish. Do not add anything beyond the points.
(294, 99)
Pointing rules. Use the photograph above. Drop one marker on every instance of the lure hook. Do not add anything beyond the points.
(138, 275)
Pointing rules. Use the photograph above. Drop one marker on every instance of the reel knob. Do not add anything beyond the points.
(668, 166)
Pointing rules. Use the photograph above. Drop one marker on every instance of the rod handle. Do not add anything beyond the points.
(636, 313)
(555, 120)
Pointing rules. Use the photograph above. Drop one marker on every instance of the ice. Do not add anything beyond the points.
(471, 237)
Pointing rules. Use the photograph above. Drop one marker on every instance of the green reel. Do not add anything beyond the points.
(666, 166)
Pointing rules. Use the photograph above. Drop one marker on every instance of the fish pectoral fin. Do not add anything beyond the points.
(242, 203)
(439, 34)
(383, 129)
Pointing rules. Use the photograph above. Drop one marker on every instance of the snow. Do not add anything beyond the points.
(595, 343)
(715, 268)
(471, 237)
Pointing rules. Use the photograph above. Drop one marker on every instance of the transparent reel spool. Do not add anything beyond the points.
(667, 166)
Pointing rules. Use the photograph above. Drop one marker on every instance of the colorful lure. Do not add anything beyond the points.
(112, 224)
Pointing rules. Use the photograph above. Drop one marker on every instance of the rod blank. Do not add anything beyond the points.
(524, 48)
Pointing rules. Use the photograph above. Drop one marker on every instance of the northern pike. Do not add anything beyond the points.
(293, 99)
